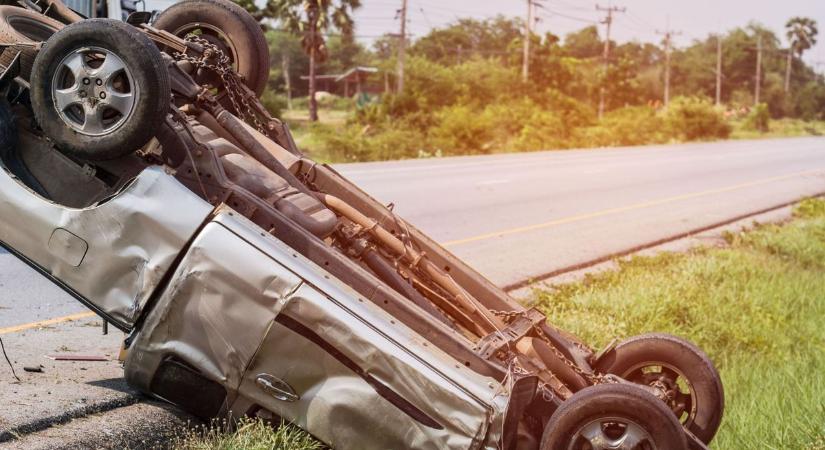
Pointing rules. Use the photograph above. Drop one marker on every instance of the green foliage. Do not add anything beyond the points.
(810, 208)
(755, 308)
(464, 91)
(634, 125)
(759, 119)
(695, 118)
(584, 43)
(274, 102)
(249, 434)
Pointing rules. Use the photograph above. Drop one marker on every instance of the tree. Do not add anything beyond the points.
(312, 19)
(585, 43)
(801, 33)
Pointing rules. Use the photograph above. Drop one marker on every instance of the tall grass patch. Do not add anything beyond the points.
(756, 307)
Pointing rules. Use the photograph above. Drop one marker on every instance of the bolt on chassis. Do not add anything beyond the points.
(142, 174)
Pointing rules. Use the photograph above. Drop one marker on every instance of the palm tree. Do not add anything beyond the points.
(312, 19)
(801, 33)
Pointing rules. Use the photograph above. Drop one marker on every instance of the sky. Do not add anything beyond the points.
(695, 19)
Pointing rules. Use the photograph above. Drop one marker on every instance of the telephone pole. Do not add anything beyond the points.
(718, 69)
(758, 84)
(528, 27)
(402, 46)
(608, 21)
(668, 34)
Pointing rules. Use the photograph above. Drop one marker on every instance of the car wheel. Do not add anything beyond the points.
(613, 416)
(22, 26)
(228, 26)
(691, 381)
(99, 89)
(8, 131)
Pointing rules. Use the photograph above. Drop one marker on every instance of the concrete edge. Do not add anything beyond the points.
(527, 283)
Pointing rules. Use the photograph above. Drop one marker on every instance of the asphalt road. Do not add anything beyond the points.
(518, 216)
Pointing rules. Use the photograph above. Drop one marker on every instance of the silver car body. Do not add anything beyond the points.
(211, 289)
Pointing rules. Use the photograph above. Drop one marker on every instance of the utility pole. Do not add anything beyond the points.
(758, 84)
(287, 80)
(788, 69)
(718, 69)
(312, 12)
(608, 21)
(668, 34)
(528, 27)
(402, 47)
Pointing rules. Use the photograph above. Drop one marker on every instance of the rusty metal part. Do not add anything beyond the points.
(540, 350)
(522, 324)
(486, 320)
(167, 39)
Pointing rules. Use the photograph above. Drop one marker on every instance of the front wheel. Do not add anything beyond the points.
(99, 89)
(613, 417)
(687, 377)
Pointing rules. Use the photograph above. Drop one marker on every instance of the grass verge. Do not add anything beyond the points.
(756, 307)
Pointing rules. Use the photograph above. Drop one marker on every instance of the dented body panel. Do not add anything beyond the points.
(286, 321)
(114, 254)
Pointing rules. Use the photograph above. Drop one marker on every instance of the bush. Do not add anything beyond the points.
(544, 130)
(274, 103)
(759, 118)
(695, 118)
(461, 130)
(634, 125)
(354, 142)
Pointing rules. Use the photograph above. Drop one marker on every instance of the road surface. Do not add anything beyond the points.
(518, 216)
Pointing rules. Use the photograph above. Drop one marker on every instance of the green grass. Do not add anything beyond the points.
(756, 307)
(780, 128)
(249, 435)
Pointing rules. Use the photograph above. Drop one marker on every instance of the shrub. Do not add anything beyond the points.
(759, 118)
(274, 103)
(634, 125)
(544, 130)
(355, 142)
(695, 118)
(461, 130)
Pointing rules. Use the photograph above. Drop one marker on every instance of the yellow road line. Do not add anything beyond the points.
(43, 323)
(566, 220)
(622, 209)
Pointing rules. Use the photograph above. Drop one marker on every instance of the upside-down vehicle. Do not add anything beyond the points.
(142, 174)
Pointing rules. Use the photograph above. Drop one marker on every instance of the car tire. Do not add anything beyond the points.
(610, 413)
(20, 26)
(121, 101)
(228, 26)
(8, 131)
(683, 368)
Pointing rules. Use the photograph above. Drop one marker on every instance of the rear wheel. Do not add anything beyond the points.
(229, 27)
(21, 26)
(683, 372)
(615, 417)
(100, 89)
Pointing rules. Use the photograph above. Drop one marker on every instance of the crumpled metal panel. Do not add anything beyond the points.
(113, 254)
(224, 314)
(215, 312)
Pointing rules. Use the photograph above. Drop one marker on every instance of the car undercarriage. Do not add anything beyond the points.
(252, 243)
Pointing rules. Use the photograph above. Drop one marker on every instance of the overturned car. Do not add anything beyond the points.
(142, 175)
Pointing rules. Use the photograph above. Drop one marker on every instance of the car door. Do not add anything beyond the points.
(111, 256)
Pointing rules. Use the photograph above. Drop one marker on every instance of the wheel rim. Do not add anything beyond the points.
(213, 35)
(611, 433)
(94, 91)
(677, 389)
